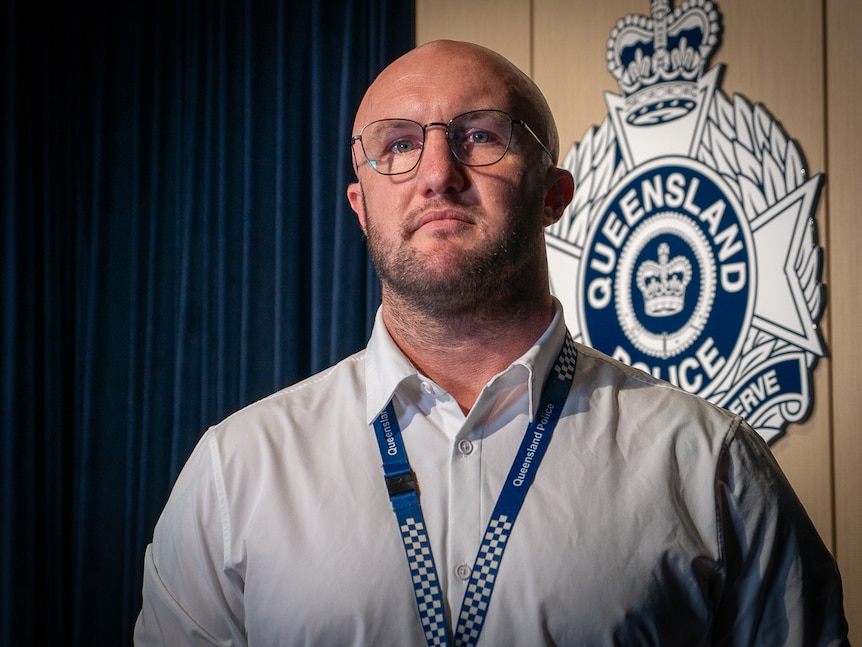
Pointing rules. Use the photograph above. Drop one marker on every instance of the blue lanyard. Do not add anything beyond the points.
(404, 495)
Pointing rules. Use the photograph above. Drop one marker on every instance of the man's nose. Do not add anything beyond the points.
(439, 169)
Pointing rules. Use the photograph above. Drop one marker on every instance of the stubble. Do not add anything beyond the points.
(497, 278)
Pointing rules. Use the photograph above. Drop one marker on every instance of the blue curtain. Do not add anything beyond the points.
(176, 244)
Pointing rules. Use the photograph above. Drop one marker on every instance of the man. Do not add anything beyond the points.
(533, 491)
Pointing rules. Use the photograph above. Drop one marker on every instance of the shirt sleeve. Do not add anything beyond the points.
(781, 585)
(190, 597)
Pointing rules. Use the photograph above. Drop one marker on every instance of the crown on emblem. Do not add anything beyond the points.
(657, 61)
(663, 284)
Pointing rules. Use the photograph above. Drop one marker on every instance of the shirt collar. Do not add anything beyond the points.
(387, 368)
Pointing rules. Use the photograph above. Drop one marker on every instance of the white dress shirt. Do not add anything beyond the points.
(655, 518)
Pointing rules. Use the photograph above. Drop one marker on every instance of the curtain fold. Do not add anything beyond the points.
(177, 243)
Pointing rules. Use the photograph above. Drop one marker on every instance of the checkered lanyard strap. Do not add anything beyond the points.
(403, 492)
(404, 495)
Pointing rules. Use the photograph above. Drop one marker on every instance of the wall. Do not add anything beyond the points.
(800, 60)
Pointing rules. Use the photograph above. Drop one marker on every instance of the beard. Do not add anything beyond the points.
(498, 278)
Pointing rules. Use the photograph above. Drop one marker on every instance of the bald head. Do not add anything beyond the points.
(474, 75)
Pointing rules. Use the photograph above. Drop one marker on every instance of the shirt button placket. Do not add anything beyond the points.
(465, 506)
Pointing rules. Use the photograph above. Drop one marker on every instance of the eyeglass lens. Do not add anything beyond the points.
(478, 138)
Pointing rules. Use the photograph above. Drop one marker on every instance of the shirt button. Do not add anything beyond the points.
(427, 388)
(465, 446)
(462, 571)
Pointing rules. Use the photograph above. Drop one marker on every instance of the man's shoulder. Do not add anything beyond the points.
(347, 373)
(599, 365)
(340, 387)
(639, 394)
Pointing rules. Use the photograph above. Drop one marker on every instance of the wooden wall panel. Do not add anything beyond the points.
(502, 25)
(843, 197)
(796, 57)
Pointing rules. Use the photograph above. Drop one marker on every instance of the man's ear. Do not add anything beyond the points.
(561, 190)
(357, 203)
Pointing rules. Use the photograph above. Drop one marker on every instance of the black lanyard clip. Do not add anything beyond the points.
(401, 484)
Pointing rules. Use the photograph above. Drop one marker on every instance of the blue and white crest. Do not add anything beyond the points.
(689, 249)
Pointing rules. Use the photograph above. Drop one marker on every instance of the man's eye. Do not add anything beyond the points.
(403, 146)
(479, 137)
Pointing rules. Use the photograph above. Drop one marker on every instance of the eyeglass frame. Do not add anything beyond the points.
(446, 125)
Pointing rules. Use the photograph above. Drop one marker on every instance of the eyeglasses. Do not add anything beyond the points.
(476, 138)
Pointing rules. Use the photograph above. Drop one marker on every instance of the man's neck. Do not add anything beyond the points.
(463, 355)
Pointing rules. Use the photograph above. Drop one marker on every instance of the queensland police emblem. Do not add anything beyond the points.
(689, 250)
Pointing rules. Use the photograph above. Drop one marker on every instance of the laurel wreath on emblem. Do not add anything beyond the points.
(760, 165)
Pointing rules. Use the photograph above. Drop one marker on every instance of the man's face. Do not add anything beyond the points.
(445, 236)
